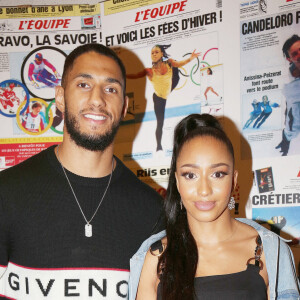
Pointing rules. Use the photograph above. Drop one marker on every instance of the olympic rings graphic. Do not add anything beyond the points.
(192, 76)
(25, 94)
(204, 63)
(196, 67)
(47, 116)
(18, 118)
(209, 51)
(185, 75)
(178, 88)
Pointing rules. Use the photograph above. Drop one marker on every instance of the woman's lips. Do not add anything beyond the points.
(205, 205)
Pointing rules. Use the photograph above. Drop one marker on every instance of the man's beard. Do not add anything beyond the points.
(92, 142)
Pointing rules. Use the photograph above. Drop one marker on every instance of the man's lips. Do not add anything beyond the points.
(95, 117)
(205, 205)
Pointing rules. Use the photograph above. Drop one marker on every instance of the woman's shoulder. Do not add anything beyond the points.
(246, 228)
(154, 252)
(269, 239)
(158, 247)
(144, 248)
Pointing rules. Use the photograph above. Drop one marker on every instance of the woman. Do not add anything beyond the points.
(207, 254)
(164, 78)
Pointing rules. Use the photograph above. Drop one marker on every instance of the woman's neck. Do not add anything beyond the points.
(213, 233)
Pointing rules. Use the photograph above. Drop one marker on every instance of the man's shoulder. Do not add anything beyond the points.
(133, 180)
(25, 168)
(134, 185)
(125, 172)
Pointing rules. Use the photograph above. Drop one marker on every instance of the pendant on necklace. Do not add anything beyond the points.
(88, 230)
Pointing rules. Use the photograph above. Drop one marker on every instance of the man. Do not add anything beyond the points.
(291, 91)
(37, 72)
(72, 216)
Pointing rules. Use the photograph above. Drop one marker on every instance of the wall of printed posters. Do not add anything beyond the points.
(231, 65)
(270, 112)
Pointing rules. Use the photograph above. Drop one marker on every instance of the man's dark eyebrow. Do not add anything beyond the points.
(83, 75)
(114, 80)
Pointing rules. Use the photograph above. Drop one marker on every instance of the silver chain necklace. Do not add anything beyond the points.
(88, 226)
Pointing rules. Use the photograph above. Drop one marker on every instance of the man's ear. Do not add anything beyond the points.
(125, 107)
(60, 98)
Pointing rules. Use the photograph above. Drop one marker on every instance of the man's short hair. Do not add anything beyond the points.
(288, 44)
(98, 48)
(36, 104)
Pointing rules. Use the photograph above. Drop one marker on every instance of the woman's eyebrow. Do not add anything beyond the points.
(211, 166)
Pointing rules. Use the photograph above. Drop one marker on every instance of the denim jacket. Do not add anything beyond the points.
(283, 282)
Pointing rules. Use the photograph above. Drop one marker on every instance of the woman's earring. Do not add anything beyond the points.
(181, 204)
(231, 203)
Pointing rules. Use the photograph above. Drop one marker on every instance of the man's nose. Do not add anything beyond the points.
(97, 97)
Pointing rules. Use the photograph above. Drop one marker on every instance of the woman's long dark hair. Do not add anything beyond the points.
(178, 263)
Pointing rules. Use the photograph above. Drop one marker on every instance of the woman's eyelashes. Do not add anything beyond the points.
(219, 174)
(190, 175)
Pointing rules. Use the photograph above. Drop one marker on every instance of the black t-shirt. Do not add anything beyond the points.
(44, 252)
